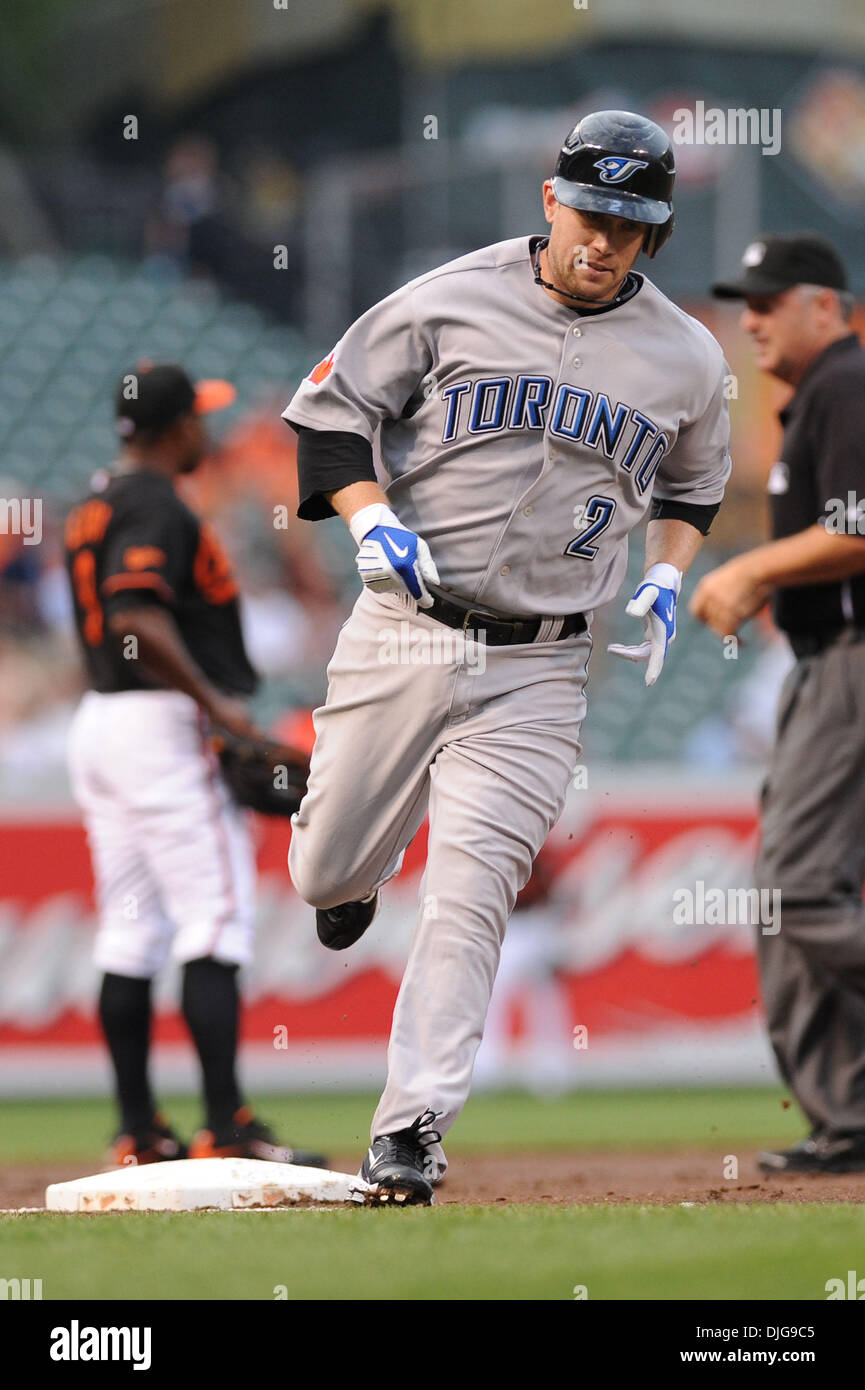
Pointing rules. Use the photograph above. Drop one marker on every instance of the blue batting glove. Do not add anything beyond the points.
(394, 559)
(655, 603)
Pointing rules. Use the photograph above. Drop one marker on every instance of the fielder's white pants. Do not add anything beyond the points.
(173, 859)
(489, 752)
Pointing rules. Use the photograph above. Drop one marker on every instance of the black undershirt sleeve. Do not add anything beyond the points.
(328, 460)
(696, 514)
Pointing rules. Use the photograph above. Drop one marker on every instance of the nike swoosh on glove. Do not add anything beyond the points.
(392, 559)
(655, 603)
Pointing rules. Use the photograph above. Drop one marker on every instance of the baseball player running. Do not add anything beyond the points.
(156, 609)
(526, 405)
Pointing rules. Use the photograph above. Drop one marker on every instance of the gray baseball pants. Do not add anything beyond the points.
(483, 738)
(813, 850)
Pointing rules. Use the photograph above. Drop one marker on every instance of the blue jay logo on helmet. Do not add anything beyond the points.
(616, 168)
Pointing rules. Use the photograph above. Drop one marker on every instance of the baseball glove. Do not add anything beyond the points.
(262, 775)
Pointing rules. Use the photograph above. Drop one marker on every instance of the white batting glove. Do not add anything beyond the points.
(655, 603)
(392, 559)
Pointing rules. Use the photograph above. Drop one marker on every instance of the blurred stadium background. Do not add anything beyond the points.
(227, 183)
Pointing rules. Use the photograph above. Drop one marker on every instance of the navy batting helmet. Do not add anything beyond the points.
(619, 163)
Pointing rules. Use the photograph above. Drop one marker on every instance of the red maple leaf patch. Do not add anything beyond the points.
(323, 369)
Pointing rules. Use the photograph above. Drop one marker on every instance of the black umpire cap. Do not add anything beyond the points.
(776, 263)
(153, 396)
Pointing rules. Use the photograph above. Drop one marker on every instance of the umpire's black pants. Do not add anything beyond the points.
(813, 850)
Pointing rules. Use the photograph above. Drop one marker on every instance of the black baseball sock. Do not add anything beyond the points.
(211, 1007)
(124, 1012)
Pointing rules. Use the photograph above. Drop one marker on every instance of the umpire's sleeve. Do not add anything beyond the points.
(837, 431)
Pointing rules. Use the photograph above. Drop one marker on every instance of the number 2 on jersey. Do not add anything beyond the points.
(598, 512)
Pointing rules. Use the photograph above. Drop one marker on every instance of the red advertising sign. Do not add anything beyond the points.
(632, 957)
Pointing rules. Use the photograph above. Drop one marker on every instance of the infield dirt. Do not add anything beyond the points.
(643, 1178)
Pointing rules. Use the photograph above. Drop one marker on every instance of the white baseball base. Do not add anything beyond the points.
(222, 1184)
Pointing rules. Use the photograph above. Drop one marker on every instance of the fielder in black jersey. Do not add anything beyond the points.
(156, 608)
(135, 544)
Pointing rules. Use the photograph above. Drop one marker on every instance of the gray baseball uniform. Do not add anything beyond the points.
(523, 441)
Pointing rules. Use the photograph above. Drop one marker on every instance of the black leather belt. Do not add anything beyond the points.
(813, 643)
(499, 629)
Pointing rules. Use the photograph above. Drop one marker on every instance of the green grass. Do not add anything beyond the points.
(40, 1131)
(783, 1250)
(528, 1252)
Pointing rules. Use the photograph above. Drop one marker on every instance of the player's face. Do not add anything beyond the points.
(192, 443)
(590, 253)
(786, 330)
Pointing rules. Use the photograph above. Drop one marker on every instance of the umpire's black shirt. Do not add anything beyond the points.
(823, 466)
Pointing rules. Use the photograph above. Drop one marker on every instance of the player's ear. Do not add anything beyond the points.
(550, 200)
(174, 433)
(188, 426)
(181, 434)
(827, 302)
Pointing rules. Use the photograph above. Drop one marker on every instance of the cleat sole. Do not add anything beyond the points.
(397, 1197)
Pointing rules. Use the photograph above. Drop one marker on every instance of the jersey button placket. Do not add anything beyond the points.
(552, 454)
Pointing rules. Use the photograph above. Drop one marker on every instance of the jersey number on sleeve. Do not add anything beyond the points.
(598, 512)
(212, 572)
(84, 581)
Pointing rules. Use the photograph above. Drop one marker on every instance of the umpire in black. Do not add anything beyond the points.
(796, 310)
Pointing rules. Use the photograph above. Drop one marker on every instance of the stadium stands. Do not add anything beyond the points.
(68, 329)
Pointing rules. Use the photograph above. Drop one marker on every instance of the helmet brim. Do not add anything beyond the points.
(587, 198)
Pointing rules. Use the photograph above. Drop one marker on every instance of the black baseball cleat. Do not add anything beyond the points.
(341, 926)
(397, 1165)
(248, 1137)
(819, 1153)
(157, 1143)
